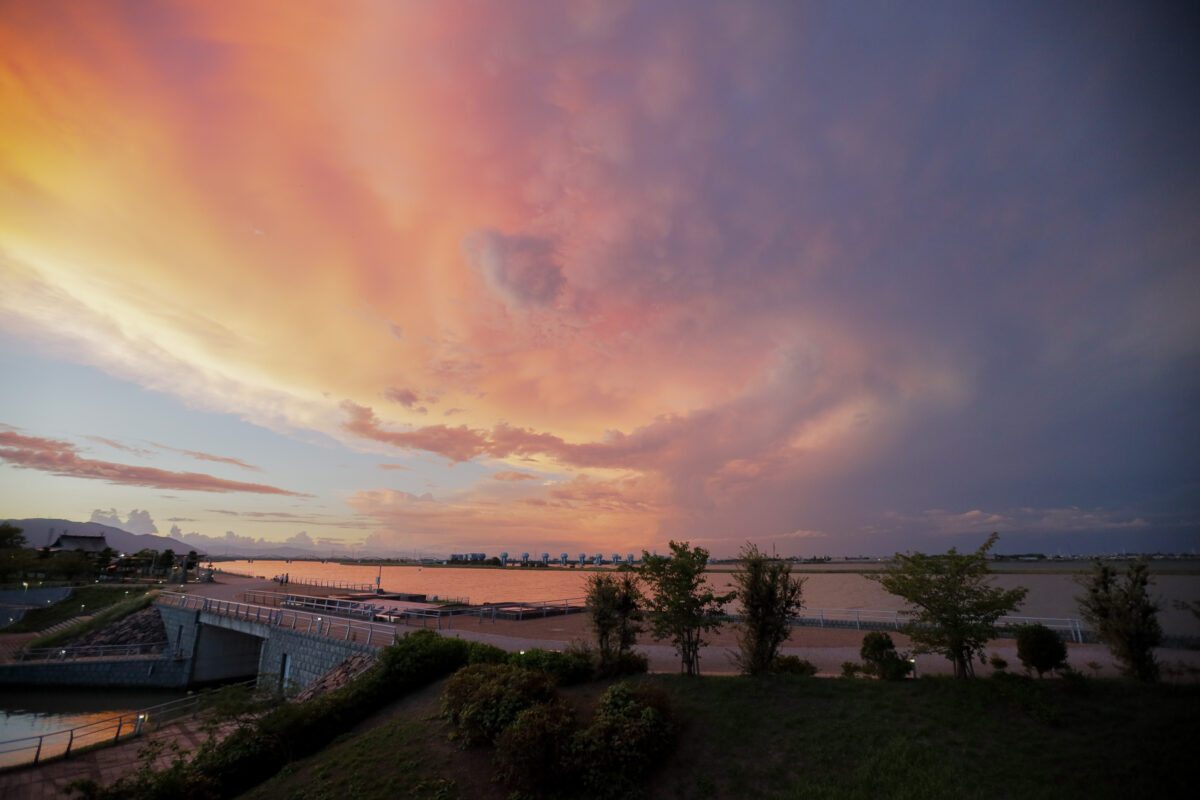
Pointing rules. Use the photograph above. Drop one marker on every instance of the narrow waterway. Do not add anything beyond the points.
(33, 712)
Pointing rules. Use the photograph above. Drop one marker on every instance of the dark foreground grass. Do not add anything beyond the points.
(788, 737)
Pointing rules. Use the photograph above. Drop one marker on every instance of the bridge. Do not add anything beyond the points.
(215, 640)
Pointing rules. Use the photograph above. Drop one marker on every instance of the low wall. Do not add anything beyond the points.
(140, 673)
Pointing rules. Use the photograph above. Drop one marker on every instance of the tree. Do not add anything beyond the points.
(11, 537)
(954, 608)
(682, 605)
(770, 598)
(1040, 648)
(1124, 617)
(615, 605)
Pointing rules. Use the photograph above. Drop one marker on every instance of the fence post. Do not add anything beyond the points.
(38, 754)
(119, 721)
(70, 741)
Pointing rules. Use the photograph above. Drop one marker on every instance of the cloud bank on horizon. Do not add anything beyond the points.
(601, 274)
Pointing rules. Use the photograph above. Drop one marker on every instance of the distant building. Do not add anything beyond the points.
(86, 544)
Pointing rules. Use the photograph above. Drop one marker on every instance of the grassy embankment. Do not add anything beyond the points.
(106, 604)
(787, 737)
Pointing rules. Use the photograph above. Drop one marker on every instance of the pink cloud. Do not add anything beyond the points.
(405, 397)
(511, 476)
(201, 456)
(62, 459)
(459, 444)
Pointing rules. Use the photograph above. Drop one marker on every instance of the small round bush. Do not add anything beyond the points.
(481, 700)
(1040, 648)
(631, 729)
(568, 668)
(793, 665)
(534, 752)
(879, 652)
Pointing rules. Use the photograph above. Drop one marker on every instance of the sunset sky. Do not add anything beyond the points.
(436, 277)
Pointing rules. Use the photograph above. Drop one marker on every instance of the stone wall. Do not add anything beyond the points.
(308, 657)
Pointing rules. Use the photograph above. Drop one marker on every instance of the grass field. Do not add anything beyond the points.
(787, 737)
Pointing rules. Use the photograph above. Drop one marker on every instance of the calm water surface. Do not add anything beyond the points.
(1050, 595)
(31, 712)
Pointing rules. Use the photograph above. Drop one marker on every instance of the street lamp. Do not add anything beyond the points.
(913, 661)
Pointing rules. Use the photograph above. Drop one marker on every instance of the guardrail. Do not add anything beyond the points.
(868, 619)
(332, 627)
(89, 651)
(34, 749)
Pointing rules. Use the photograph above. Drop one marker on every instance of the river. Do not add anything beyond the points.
(1051, 593)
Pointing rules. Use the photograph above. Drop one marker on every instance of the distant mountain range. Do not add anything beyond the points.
(43, 532)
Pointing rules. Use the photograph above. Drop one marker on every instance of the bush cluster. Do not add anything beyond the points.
(481, 700)
(541, 748)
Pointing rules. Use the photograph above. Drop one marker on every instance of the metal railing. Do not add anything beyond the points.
(332, 627)
(868, 619)
(329, 584)
(39, 747)
(544, 608)
(89, 651)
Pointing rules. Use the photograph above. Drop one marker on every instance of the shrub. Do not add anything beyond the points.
(851, 669)
(628, 663)
(1040, 648)
(630, 730)
(481, 700)
(793, 665)
(534, 752)
(879, 652)
(480, 653)
(568, 668)
(998, 663)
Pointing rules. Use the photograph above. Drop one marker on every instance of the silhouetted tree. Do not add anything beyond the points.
(681, 604)
(614, 603)
(954, 608)
(770, 598)
(11, 536)
(1124, 616)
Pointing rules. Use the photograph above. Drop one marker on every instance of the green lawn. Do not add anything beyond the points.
(787, 737)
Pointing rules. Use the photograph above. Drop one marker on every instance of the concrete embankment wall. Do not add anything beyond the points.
(139, 673)
(297, 659)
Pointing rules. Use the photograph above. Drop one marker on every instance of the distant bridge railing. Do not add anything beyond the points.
(60, 743)
(89, 651)
(347, 630)
(349, 586)
(868, 619)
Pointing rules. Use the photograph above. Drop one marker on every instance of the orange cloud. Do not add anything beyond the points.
(62, 458)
